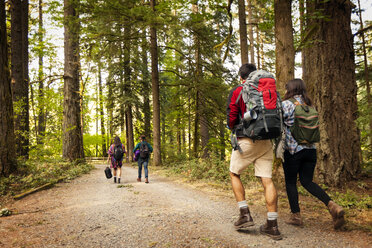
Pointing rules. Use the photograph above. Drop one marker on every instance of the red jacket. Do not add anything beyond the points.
(235, 111)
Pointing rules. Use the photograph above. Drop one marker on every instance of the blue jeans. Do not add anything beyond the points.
(145, 162)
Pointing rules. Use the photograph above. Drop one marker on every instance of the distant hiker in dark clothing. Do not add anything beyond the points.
(300, 159)
(116, 155)
(145, 149)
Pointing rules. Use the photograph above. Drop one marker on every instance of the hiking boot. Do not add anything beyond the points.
(295, 219)
(146, 180)
(138, 179)
(114, 179)
(245, 219)
(337, 214)
(271, 229)
(118, 180)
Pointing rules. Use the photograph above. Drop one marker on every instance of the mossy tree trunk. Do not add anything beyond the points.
(72, 134)
(330, 76)
(7, 139)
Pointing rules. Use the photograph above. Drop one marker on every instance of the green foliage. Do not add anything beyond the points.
(212, 169)
(34, 173)
(5, 212)
(353, 200)
(93, 145)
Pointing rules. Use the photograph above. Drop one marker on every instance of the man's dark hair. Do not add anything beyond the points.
(143, 137)
(246, 69)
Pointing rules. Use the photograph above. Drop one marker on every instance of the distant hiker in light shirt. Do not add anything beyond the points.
(116, 155)
(145, 149)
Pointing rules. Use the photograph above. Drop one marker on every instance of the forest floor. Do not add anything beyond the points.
(91, 211)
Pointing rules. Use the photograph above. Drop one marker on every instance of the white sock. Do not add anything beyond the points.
(242, 204)
(272, 215)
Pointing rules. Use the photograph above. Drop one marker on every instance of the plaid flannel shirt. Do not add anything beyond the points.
(290, 143)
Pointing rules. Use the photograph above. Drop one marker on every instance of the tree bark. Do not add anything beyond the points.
(201, 113)
(284, 49)
(7, 138)
(72, 135)
(250, 30)
(41, 100)
(102, 114)
(155, 89)
(366, 74)
(243, 32)
(302, 30)
(222, 140)
(19, 69)
(259, 45)
(128, 92)
(110, 109)
(146, 88)
(330, 76)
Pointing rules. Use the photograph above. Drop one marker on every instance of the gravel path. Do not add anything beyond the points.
(91, 211)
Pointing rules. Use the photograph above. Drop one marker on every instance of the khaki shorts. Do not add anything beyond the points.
(259, 153)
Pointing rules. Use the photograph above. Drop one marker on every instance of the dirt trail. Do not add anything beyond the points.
(93, 212)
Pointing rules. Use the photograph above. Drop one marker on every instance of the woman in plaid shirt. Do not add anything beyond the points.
(301, 160)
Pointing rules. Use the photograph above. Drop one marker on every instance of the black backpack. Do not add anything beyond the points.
(144, 150)
(118, 152)
(263, 119)
(108, 173)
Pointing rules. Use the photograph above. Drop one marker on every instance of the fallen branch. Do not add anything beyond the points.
(34, 190)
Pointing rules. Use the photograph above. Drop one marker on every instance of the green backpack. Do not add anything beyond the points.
(305, 129)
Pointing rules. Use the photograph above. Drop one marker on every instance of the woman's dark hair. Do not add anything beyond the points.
(117, 141)
(297, 87)
(143, 137)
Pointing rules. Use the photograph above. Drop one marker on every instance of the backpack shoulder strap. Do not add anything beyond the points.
(294, 101)
(240, 94)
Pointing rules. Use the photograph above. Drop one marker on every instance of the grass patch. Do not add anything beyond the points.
(213, 170)
(125, 186)
(34, 173)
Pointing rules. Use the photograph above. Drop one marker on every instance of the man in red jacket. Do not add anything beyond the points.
(257, 152)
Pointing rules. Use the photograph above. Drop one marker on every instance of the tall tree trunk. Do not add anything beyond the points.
(260, 42)
(155, 89)
(302, 30)
(222, 140)
(196, 126)
(146, 88)
(163, 135)
(189, 123)
(102, 114)
(284, 49)
(178, 122)
(128, 92)
(250, 30)
(41, 100)
(19, 62)
(110, 109)
(243, 32)
(7, 138)
(72, 135)
(330, 76)
(366, 74)
(200, 96)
